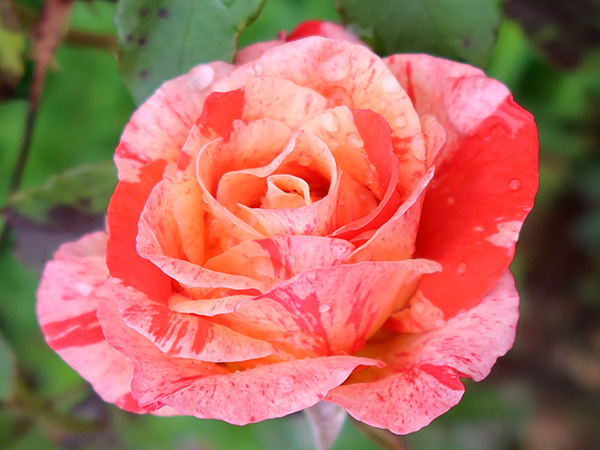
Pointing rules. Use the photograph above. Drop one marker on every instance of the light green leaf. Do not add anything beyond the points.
(464, 30)
(161, 39)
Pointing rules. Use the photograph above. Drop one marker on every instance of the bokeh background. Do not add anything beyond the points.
(545, 394)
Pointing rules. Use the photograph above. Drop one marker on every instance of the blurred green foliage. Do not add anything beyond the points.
(540, 396)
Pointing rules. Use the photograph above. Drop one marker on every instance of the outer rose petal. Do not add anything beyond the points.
(158, 129)
(71, 287)
(423, 370)
(208, 391)
(484, 185)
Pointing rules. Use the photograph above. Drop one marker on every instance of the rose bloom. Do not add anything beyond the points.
(311, 223)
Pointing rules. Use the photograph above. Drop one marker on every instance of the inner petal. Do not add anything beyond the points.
(286, 192)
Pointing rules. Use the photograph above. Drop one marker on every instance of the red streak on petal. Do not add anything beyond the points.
(184, 161)
(79, 337)
(409, 86)
(86, 319)
(220, 110)
(445, 374)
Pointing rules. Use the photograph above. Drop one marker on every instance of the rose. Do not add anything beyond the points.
(312, 223)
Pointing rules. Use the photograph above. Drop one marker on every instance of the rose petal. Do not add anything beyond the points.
(158, 241)
(424, 369)
(184, 335)
(485, 182)
(375, 133)
(71, 286)
(158, 129)
(395, 239)
(280, 257)
(333, 66)
(306, 157)
(324, 29)
(304, 315)
(207, 390)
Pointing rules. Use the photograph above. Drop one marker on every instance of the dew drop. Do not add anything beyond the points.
(323, 308)
(359, 344)
(354, 140)
(329, 122)
(285, 385)
(390, 84)
(200, 77)
(338, 251)
(256, 70)
(206, 198)
(305, 158)
(418, 147)
(291, 259)
(514, 185)
(450, 201)
(400, 121)
(462, 269)
(335, 68)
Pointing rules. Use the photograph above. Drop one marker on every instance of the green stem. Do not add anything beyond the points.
(21, 162)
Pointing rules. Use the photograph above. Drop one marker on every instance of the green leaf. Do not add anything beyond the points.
(8, 371)
(86, 189)
(161, 39)
(464, 30)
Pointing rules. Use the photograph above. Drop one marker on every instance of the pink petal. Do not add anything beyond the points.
(251, 52)
(324, 29)
(375, 133)
(207, 390)
(485, 182)
(158, 241)
(280, 257)
(305, 316)
(158, 129)
(72, 284)
(421, 380)
(306, 157)
(395, 239)
(334, 67)
(123, 214)
(184, 335)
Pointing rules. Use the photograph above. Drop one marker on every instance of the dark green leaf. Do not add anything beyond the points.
(464, 30)
(8, 371)
(64, 208)
(164, 38)
(86, 189)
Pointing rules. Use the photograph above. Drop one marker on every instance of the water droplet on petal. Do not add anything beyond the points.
(285, 385)
(359, 345)
(390, 84)
(354, 140)
(462, 269)
(256, 69)
(400, 121)
(329, 121)
(305, 158)
(336, 67)
(450, 201)
(205, 198)
(418, 147)
(514, 185)
(291, 259)
(323, 308)
(200, 77)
